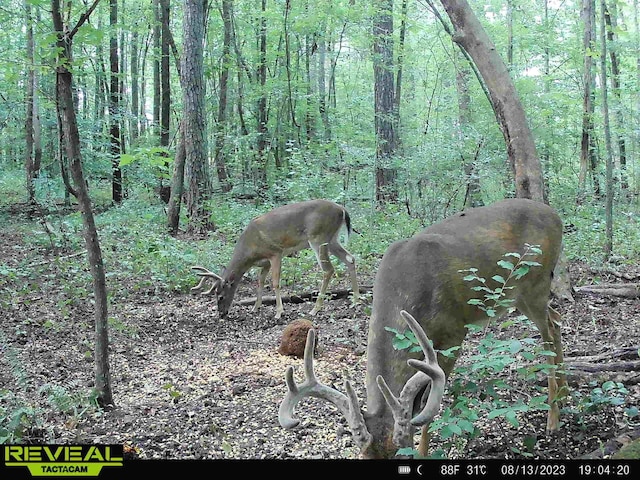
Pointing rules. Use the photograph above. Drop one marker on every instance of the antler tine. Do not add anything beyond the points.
(428, 372)
(311, 387)
(428, 367)
(203, 272)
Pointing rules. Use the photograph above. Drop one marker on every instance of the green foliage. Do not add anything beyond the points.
(608, 394)
(495, 298)
(17, 414)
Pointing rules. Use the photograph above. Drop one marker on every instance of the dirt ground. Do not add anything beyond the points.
(187, 385)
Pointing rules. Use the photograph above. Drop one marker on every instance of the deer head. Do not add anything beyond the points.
(422, 275)
(314, 224)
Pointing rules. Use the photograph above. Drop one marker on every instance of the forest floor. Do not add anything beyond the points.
(188, 385)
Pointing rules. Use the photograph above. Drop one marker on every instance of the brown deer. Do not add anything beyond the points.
(419, 281)
(283, 231)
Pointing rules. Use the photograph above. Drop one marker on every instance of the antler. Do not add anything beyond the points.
(428, 372)
(401, 408)
(204, 274)
(311, 387)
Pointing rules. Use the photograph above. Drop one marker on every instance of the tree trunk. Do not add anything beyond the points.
(177, 185)
(165, 84)
(473, 197)
(221, 127)
(134, 128)
(29, 103)
(384, 103)
(322, 82)
(262, 119)
(608, 246)
(195, 138)
(67, 115)
(521, 148)
(588, 159)
(611, 22)
(156, 64)
(114, 105)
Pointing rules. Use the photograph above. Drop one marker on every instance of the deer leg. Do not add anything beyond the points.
(322, 254)
(539, 313)
(554, 321)
(447, 364)
(345, 257)
(276, 263)
(261, 279)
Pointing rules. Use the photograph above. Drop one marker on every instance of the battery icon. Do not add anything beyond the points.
(404, 469)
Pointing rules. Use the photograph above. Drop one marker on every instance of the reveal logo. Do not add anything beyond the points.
(63, 460)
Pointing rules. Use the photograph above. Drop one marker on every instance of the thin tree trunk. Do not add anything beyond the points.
(384, 103)
(156, 64)
(587, 143)
(472, 196)
(611, 22)
(608, 246)
(322, 83)
(262, 102)
(135, 91)
(221, 127)
(165, 83)
(67, 114)
(29, 103)
(114, 105)
(177, 185)
(400, 64)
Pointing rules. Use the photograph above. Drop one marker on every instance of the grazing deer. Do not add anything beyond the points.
(268, 238)
(419, 281)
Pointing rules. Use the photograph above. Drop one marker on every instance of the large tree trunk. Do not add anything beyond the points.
(194, 127)
(521, 148)
(67, 115)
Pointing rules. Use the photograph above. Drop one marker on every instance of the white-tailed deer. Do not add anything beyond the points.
(419, 281)
(268, 238)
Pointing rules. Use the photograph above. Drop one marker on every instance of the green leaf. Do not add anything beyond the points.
(499, 279)
(126, 159)
(515, 346)
(521, 272)
(512, 418)
(505, 264)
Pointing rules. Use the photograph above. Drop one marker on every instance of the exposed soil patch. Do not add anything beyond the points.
(190, 386)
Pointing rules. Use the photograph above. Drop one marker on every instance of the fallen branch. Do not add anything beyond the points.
(624, 366)
(303, 297)
(625, 353)
(626, 290)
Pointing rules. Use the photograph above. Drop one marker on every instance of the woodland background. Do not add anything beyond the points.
(266, 102)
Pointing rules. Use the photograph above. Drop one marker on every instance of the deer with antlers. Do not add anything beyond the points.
(314, 224)
(419, 281)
